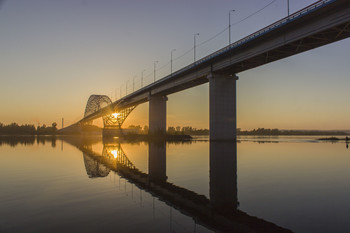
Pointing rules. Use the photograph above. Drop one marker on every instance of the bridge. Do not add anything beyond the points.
(219, 213)
(319, 24)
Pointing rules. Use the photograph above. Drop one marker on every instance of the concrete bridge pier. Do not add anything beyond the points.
(157, 161)
(157, 115)
(223, 176)
(222, 107)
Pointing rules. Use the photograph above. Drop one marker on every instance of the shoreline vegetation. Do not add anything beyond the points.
(277, 132)
(147, 137)
(15, 129)
(138, 132)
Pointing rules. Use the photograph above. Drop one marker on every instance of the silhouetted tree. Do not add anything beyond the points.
(43, 130)
(145, 129)
(171, 130)
(15, 129)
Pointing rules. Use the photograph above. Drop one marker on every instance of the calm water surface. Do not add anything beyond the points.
(260, 184)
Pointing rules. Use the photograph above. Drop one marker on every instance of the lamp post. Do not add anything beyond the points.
(142, 78)
(229, 26)
(154, 69)
(171, 61)
(194, 46)
(133, 83)
(288, 8)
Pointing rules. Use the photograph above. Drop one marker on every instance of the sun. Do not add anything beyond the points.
(115, 115)
(114, 153)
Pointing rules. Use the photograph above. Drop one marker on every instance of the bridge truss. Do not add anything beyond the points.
(115, 120)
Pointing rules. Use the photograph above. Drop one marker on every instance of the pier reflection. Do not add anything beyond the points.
(220, 212)
(223, 176)
(157, 162)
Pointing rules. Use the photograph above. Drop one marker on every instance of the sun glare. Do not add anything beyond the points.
(114, 153)
(115, 115)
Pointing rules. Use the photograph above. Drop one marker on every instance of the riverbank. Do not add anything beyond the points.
(347, 139)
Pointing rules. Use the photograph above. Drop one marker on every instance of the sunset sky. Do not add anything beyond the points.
(55, 53)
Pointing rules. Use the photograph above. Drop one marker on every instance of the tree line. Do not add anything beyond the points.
(187, 130)
(263, 131)
(171, 130)
(27, 129)
(259, 131)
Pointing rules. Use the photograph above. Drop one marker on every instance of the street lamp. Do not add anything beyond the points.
(229, 26)
(121, 91)
(142, 78)
(154, 69)
(288, 7)
(171, 61)
(194, 46)
(133, 83)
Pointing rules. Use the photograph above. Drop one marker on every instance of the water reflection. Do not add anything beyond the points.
(157, 161)
(223, 176)
(220, 212)
(94, 168)
(14, 141)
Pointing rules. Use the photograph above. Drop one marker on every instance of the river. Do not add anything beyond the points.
(258, 184)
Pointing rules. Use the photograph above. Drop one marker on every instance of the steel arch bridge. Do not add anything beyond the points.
(114, 120)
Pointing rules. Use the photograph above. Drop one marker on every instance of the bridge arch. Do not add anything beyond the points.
(114, 120)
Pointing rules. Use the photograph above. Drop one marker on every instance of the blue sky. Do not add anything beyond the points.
(55, 54)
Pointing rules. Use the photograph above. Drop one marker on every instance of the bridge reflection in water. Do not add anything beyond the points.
(220, 212)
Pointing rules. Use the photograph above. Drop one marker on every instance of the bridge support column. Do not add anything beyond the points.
(157, 161)
(157, 115)
(223, 176)
(222, 107)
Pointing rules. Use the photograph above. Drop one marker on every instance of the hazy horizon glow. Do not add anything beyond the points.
(55, 54)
